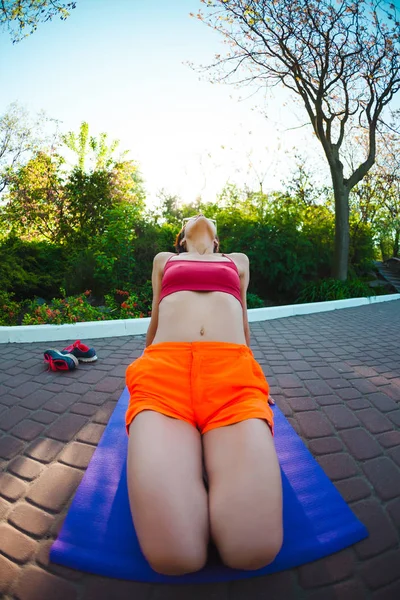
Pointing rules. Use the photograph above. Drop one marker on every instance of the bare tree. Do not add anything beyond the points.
(341, 59)
(21, 17)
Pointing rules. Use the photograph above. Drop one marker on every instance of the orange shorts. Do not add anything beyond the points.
(206, 384)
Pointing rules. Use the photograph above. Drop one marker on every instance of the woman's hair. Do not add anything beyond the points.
(181, 235)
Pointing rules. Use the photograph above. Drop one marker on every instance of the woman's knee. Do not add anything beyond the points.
(250, 557)
(179, 562)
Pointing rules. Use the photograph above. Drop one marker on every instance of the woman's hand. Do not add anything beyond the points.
(270, 400)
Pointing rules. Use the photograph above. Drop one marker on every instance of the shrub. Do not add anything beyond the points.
(10, 310)
(72, 309)
(254, 301)
(333, 289)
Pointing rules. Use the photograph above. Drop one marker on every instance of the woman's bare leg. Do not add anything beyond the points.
(245, 493)
(167, 496)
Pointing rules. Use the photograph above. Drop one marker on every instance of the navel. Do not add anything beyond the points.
(202, 331)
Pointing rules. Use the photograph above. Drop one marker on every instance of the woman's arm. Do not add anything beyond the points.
(244, 271)
(156, 278)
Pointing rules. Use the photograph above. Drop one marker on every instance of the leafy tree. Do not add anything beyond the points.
(37, 205)
(87, 147)
(20, 137)
(22, 17)
(341, 60)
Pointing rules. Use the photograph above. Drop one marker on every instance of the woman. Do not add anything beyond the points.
(197, 393)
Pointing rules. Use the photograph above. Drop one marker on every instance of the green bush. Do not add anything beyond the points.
(254, 301)
(31, 269)
(333, 289)
(10, 310)
(72, 309)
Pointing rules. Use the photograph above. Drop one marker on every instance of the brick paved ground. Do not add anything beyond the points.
(335, 375)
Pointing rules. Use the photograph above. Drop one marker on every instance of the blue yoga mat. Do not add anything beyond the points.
(98, 534)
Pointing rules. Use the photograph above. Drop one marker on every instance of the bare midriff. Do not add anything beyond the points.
(188, 316)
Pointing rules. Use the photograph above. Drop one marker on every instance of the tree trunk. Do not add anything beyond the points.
(342, 230)
(396, 243)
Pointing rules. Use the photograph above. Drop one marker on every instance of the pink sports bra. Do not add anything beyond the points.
(201, 276)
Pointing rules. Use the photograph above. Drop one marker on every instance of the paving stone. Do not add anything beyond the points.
(314, 424)
(394, 417)
(9, 447)
(327, 372)
(365, 386)
(300, 404)
(25, 389)
(361, 444)
(54, 487)
(358, 403)
(289, 392)
(289, 381)
(282, 370)
(77, 455)
(37, 584)
(92, 376)
(393, 508)
(348, 393)
(27, 430)
(11, 488)
(382, 533)
(395, 455)
(308, 374)
(365, 371)
(327, 570)
(110, 384)
(55, 407)
(13, 416)
(24, 467)
(78, 387)
(393, 391)
(318, 388)
(86, 410)
(15, 545)
(328, 400)
(341, 416)
(325, 445)
(387, 440)
(36, 399)
(53, 387)
(384, 476)
(390, 592)
(18, 378)
(32, 520)
(91, 433)
(351, 589)
(337, 384)
(338, 466)
(104, 413)
(374, 421)
(277, 586)
(43, 416)
(381, 401)
(93, 397)
(379, 380)
(381, 570)
(102, 588)
(66, 427)
(354, 488)
(8, 574)
(43, 559)
(4, 507)
(44, 449)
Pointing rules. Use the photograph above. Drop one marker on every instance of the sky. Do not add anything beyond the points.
(122, 67)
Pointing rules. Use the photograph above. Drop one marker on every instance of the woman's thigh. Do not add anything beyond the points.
(245, 493)
(167, 496)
